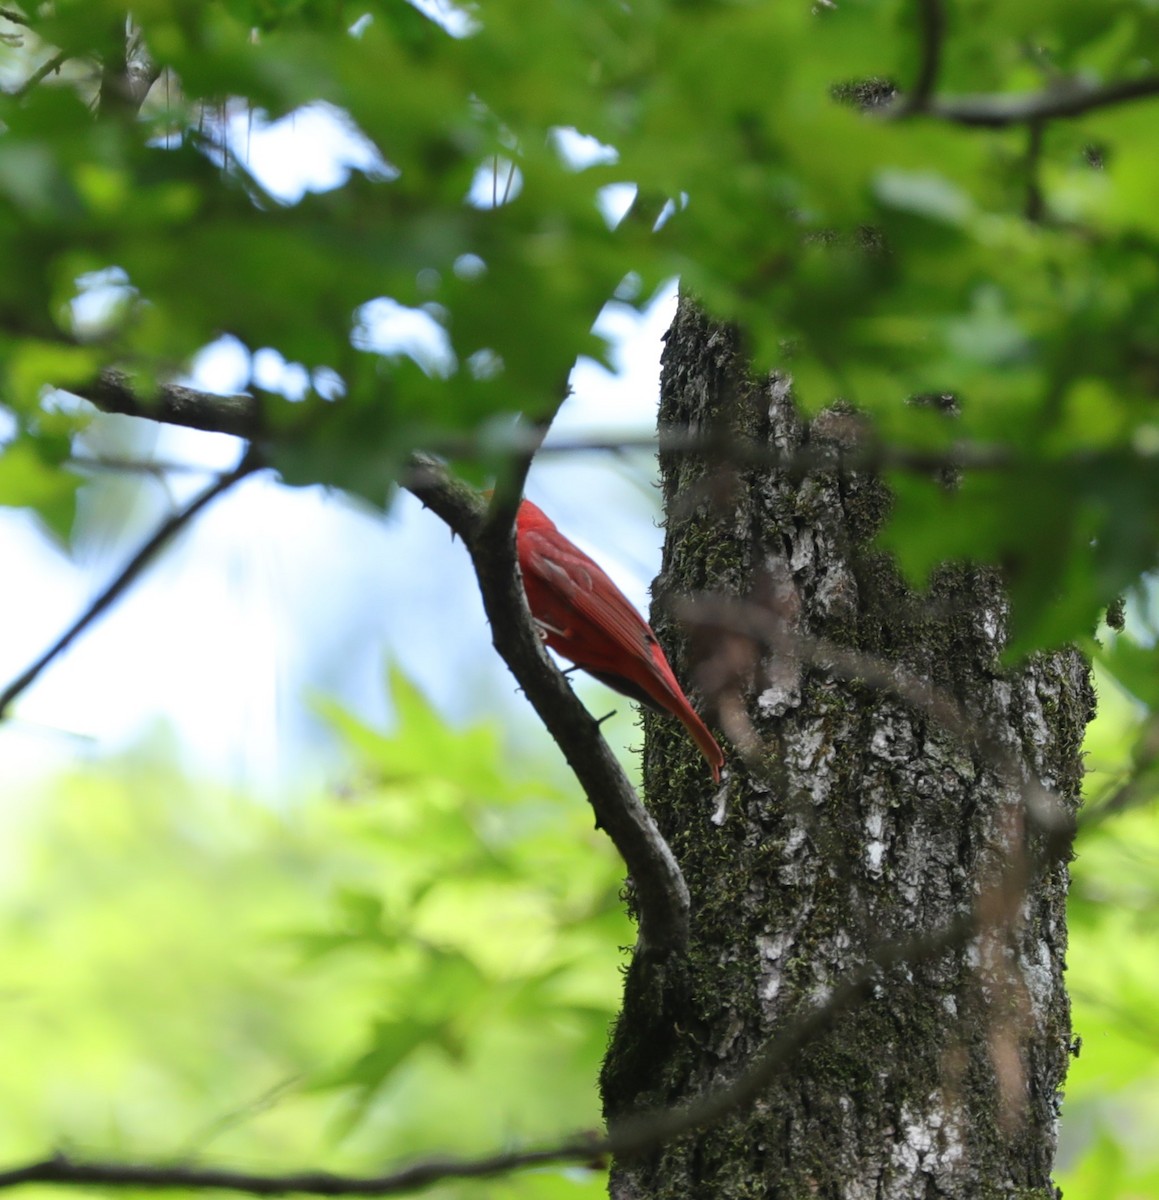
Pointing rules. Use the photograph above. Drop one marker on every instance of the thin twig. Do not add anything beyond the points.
(139, 466)
(633, 1135)
(43, 71)
(126, 578)
(510, 180)
(17, 18)
(1034, 202)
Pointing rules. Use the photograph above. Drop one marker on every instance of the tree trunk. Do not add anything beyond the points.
(854, 819)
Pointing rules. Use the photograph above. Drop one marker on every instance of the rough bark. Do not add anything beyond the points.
(856, 820)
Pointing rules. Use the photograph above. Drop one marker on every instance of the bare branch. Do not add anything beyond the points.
(174, 404)
(661, 893)
(933, 28)
(17, 18)
(1070, 98)
(127, 576)
(42, 72)
(1063, 99)
(70, 1172)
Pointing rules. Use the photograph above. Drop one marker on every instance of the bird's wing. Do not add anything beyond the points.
(591, 622)
(584, 587)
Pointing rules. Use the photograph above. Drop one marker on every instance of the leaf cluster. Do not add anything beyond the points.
(879, 257)
(415, 964)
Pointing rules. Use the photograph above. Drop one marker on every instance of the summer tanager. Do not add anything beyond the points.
(583, 616)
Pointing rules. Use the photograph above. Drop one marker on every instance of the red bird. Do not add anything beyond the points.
(583, 616)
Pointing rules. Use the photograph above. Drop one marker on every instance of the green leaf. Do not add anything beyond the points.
(27, 480)
(1135, 666)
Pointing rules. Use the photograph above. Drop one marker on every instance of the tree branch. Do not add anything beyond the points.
(125, 579)
(1069, 98)
(933, 28)
(633, 1135)
(42, 72)
(174, 404)
(67, 1171)
(241, 415)
(661, 893)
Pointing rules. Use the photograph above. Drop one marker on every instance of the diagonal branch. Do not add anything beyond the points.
(41, 73)
(127, 576)
(661, 893)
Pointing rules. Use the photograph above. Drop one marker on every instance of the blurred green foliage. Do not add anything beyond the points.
(172, 976)
(423, 962)
(881, 259)
(1112, 1106)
